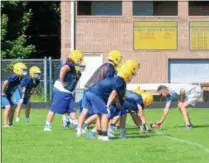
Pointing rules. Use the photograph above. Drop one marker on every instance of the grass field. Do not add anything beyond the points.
(28, 143)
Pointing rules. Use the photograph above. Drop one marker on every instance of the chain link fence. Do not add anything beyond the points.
(49, 68)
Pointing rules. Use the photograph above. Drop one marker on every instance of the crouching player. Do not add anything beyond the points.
(106, 70)
(23, 93)
(135, 101)
(100, 96)
(186, 95)
(64, 86)
(8, 88)
(134, 66)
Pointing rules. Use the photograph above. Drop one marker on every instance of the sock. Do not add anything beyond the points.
(47, 123)
(123, 129)
(104, 133)
(84, 125)
(99, 132)
(64, 117)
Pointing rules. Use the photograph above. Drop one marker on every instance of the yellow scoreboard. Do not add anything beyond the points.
(199, 35)
(155, 35)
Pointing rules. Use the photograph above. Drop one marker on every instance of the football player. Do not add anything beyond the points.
(134, 66)
(100, 96)
(135, 102)
(8, 88)
(71, 117)
(25, 90)
(64, 86)
(106, 70)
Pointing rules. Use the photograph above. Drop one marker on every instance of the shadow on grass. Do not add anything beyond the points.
(195, 126)
(137, 135)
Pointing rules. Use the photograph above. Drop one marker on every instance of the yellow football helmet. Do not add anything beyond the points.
(134, 65)
(115, 56)
(77, 56)
(138, 91)
(35, 72)
(117, 68)
(147, 98)
(126, 73)
(20, 69)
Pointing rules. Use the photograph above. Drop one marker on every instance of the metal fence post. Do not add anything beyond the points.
(45, 79)
(50, 77)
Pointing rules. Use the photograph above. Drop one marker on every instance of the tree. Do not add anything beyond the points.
(14, 23)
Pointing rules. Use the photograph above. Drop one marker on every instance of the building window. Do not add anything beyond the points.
(155, 8)
(198, 8)
(99, 8)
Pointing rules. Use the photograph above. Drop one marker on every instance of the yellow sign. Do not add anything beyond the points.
(155, 35)
(199, 35)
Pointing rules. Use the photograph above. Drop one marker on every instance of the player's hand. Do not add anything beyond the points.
(156, 125)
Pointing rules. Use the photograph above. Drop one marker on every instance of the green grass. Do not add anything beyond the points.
(30, 144)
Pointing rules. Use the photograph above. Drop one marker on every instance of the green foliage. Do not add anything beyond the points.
(15, 18)
(4, 21)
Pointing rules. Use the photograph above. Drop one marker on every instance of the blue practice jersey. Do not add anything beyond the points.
(13, 83)
(104, 71)
(132, 100)
(70, 77)
(78, 76)
(104, 88)
(29, 84)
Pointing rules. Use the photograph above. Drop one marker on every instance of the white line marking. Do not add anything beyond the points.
(200, 146)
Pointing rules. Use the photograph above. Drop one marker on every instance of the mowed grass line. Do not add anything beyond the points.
(28, 143)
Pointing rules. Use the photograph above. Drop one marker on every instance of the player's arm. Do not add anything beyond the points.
(4, 86)
(23, 92)
(111, 98)
(165, 113)
(141, 114)
(63, 72)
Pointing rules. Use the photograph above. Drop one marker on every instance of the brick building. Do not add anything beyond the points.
(103, 26)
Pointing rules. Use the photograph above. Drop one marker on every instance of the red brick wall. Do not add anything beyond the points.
(100, 34)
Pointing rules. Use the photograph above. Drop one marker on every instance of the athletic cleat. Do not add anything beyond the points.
(17, 119)
(104, 138)
(122, 133)
(47, 127)
(5, 126)
(27, 120)
(91, 135)
(111, 129)
(110, 134)
(85, 127)
(79, 132)
(188, 126)
(75, 126)
(66, 122)
(99, 137)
